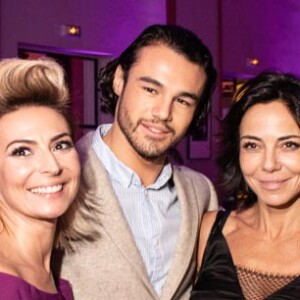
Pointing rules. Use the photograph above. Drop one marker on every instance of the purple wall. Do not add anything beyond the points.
(266, 29)
(202, 18)
(107, 26)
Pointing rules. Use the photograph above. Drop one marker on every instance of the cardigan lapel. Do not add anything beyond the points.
(111, 216)
(187, 237)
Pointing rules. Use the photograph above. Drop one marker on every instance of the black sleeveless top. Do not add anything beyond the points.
(217, 278)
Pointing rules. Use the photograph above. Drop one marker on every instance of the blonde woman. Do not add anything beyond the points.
(39, 178)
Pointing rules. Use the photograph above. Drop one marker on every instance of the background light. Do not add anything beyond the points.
(71, 30)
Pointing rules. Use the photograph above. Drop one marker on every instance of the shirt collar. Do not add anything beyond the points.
(118, 170)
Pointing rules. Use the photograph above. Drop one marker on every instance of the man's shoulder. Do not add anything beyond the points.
(188, 172)
(189, 180)
(90, 163)
(188, 177)
(85, 142)
(84, 148)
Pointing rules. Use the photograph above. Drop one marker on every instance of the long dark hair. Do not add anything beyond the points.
(264, 88)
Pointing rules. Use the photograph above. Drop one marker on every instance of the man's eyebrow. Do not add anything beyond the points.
(147, 79)
(150, 80)
(193, 96)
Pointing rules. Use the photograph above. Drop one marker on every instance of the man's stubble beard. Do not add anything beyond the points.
(148, 149)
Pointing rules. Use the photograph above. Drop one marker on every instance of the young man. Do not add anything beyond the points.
(149, 210)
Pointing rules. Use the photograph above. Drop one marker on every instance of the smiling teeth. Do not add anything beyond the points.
(47, 190)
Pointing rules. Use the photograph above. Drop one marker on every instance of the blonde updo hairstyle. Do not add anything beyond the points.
(39, 82)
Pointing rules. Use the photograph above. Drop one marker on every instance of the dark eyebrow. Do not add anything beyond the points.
(193, 96)
(30, 142)
(150, 80)
(147, 79)
(250, 137)
(280, 139)
(289, 137)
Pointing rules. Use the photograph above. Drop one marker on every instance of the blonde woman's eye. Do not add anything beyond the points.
(62, 145)
(21, 151)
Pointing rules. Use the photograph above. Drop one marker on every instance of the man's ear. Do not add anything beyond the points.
(118, 82)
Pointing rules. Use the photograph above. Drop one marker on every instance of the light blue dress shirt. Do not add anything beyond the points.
(152, 213)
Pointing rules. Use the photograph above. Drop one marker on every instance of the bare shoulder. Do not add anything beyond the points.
(200, 186)
(207, 222)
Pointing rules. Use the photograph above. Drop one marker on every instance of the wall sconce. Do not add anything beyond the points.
(252, 62)
(71, 30)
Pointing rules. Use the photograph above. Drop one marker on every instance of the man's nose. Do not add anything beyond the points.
(163, 109)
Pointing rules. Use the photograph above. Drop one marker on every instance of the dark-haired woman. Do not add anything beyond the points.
(253, 251)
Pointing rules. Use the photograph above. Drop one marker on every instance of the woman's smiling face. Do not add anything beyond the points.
(39, 174)
(270, 153)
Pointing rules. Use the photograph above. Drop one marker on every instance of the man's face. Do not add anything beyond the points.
(157, 102)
